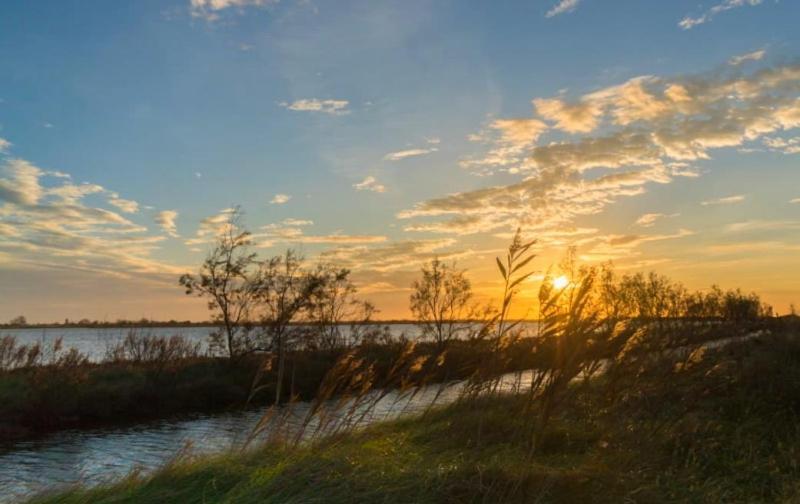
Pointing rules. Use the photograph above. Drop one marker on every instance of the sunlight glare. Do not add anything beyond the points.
(560, 282)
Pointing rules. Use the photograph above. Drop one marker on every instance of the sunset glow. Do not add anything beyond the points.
(560, 282)
(380, 135)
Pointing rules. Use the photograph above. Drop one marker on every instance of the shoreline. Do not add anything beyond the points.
(645, 446)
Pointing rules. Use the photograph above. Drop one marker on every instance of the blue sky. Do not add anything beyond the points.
(367, 115)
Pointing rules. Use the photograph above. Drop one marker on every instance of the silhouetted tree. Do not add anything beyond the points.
(334, 304)
(226, 278)
(283, 291)
(441, 301)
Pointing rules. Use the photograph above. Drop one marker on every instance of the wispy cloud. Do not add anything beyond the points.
(370, 183)
(727, 200)
(331, 107)
(125, 205)
(752, 56)
(649, 219)
(783, 145)
(280, 199)
(290, 231)
(381, 287)
(647, 130)
(211, 227)
(166, 219)
(403, 154)
(211, 9)
(795, 200)
(753, 247)
(297, 222)
(22, 187)
(519, 132)
(690, 22)
(577, 117)
(46, 223)
(563, 7)
(398, 255)
(763, 225)
(4, 145)
(611, 247)
(511, 137)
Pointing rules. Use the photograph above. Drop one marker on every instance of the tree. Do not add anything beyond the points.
(332, 304)
(441, 301)
(18, 321)
(284, 290)
(226, 278)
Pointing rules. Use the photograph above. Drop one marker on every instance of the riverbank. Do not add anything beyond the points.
(722, 428)
(72, 393)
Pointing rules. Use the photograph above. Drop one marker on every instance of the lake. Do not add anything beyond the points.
(94, 341)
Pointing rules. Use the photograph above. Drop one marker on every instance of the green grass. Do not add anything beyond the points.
(722, 430)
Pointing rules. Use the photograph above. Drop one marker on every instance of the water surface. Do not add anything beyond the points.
(96, 456)
(94, 342)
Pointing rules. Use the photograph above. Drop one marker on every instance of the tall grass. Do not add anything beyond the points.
(18, 356)
(621, 368)
(591, 323)
(140, 347)
(724, 430)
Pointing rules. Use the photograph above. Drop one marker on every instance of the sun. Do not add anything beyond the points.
(560, 282)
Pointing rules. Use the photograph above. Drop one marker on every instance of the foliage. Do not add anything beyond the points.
(225, 279)
(335, 317)
(147, 348)
(440, 302)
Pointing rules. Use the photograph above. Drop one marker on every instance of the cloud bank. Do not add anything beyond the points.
(647, 130)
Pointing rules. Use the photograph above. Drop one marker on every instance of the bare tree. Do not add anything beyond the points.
(226, 279)
(441, 301)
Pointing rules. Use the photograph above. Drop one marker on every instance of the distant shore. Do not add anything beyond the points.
(136, 324)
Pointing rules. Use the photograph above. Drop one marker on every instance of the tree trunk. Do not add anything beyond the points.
(281, 369)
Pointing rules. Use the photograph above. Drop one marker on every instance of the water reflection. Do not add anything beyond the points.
(101, 455)
(94, 342)
(97, 456)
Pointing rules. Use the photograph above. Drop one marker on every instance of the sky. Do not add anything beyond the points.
(379, 135)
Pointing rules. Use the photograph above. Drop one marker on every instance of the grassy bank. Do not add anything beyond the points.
(153, 380)
(721, 427)
(71, 392)
(37, 400)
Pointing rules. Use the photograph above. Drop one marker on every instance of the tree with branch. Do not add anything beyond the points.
(226, 279)
(441, 302)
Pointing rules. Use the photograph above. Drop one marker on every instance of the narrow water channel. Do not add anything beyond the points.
(101, 455)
